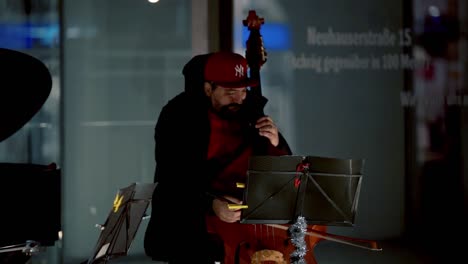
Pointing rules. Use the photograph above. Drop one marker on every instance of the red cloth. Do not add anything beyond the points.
(225, 138)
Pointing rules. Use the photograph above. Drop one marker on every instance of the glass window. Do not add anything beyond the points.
(123, 61)
(33, 29)
(331, 92)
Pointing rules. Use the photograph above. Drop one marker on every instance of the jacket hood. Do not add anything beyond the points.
(193, 72)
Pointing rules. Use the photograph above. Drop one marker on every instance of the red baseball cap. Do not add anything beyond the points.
(229, 70)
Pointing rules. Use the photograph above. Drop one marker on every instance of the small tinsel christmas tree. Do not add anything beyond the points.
(297, 232)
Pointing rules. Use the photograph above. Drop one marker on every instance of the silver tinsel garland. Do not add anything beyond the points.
(297, 233)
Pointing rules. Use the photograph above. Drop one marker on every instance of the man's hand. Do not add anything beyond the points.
(267, 128)
(220, 207)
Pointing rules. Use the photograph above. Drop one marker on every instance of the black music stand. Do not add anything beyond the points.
(301, 190)
(323, 190)
(120, 228)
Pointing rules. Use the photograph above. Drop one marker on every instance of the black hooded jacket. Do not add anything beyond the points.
(176, 231)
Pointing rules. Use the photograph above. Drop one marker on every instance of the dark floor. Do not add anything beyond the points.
(328, 252)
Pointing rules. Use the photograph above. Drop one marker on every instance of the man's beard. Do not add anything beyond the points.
(231, 111)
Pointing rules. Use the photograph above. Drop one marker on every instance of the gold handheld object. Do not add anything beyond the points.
(231, 205)
(237, 206)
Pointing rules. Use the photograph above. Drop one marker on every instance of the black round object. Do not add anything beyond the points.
(25, 85)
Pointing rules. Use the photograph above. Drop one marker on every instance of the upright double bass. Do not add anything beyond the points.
(280, 247)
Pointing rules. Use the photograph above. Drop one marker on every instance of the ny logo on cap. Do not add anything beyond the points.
(239, 70)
